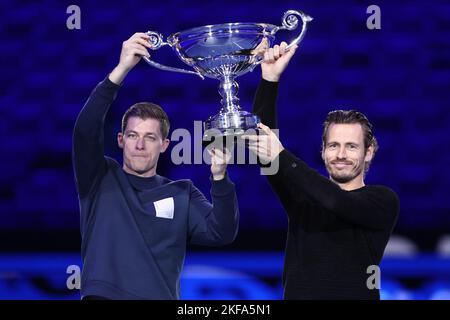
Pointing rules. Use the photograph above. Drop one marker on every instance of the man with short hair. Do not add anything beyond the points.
(135, 224)
(338, 227)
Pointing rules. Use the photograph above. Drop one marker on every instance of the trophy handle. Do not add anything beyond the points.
(290, 22)
(156, 41)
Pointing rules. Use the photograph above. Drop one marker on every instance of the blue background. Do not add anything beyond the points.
(398, 76)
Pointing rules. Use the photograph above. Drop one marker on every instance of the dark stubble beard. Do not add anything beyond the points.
(347, 177)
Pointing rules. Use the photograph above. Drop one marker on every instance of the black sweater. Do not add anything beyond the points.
(333, 235)
(135, 230)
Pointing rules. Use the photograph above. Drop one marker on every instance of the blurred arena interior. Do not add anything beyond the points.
(397, 76)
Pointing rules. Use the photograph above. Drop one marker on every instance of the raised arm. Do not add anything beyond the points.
(217, 223)
(88, 137)
(214, 224)
(276, 60)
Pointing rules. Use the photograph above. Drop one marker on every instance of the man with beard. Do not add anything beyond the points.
(338, 227)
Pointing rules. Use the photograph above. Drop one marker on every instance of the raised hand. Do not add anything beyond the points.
(132, 52)
(276, 60)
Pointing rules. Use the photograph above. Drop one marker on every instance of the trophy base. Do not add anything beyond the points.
(229, 124)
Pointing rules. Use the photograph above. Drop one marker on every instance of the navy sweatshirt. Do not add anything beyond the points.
(333, 235)
(135, 230)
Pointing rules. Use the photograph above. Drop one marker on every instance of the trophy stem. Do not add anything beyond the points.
(228, 90)
(231, 120)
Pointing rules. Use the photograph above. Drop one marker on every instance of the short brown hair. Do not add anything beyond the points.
(148, 110)
(349, 117)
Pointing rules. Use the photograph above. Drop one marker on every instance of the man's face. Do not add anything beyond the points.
(142, 143)
(344, 153)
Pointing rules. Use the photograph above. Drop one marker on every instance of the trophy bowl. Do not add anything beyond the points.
(224, 52)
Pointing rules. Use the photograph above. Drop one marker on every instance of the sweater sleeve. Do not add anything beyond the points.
(265, 107)
(264, 104)
(88, 138)
(375, 208)
(217, 223)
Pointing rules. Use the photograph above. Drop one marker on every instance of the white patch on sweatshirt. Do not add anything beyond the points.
(164, 208)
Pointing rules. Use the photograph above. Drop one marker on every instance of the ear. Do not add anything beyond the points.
(164, 145)
(322, 153)
(120, 142)
(369, 154)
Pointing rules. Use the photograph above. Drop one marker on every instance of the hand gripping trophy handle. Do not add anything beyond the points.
(290, 22)
(156, 41)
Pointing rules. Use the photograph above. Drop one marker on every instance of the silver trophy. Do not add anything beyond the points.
(224, 52)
